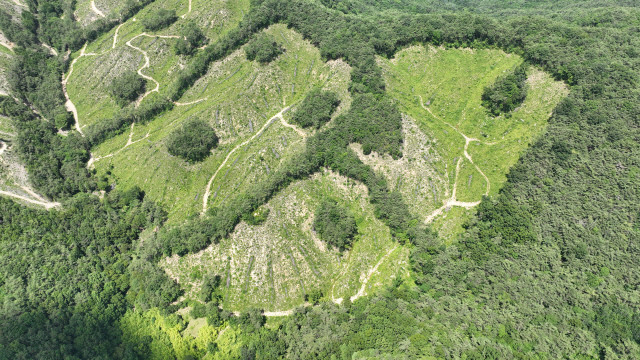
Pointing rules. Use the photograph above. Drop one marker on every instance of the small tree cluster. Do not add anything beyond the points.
(192, 38)
(126, 87)
(193, 141)
(262, 48)
(159, 19)
(316, 109)
(507, 93)
(335, 224)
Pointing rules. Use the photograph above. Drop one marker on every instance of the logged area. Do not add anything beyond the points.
(319, 179)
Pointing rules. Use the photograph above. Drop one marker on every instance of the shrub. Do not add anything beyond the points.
(262, 48)
(193, 38)
(335, 225)
(63, 120)
(507, 93)
(193, 141)
(316, 108)
(127, 87)
(159, 19)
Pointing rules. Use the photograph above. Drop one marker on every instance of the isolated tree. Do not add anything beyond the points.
(193, 141)
(127, 87)
(262, 48)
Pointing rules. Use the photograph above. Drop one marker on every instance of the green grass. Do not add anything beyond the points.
(240, 97)
(92, 75)
(450, 83)
(299, 260)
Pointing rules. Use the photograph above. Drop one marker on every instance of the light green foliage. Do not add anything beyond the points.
(441, 90)
(237, 98)
(92, 73)
(162, 336)
(275, 264)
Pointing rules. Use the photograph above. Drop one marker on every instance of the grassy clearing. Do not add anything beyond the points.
(287, 259)
(236, 98)
(441, 89)
(87, 86)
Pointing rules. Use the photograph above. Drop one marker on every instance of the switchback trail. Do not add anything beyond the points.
(146, 62)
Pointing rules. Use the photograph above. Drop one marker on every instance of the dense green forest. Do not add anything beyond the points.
(547, 269)
(507, 93)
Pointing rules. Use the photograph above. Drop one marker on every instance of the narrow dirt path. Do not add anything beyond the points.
(452, 201)
(52, 51)
(8, 44)
(184, 15)
(176, 103)
(146, 62)
(361, 292)
(93, 159)
(291, 126)
(96, 10)
(69, 104)
(46, 204)
(115, 36)
(207, 192)
(3, 147)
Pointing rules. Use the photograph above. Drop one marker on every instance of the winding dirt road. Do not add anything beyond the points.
(146, 62)
(207, 192)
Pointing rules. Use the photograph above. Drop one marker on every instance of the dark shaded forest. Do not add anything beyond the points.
(547, 269)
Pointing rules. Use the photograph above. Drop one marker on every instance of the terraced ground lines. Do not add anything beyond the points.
(176, 103)
(361, 292)
(452, 201)
(146, 62)
(93, 160)
(207, 192)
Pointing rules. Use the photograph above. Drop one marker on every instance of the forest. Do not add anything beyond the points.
(546, 269)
